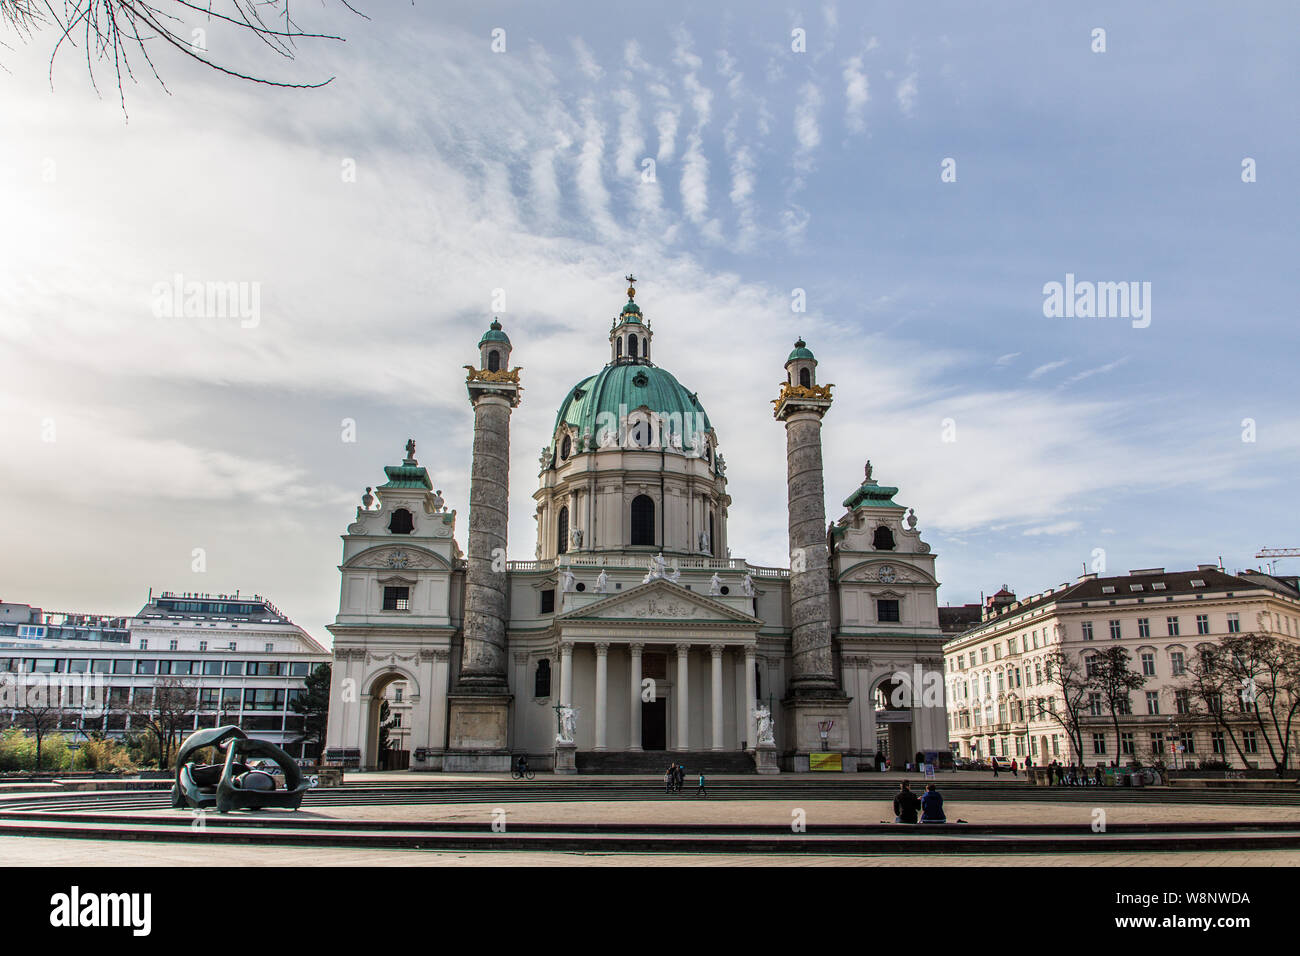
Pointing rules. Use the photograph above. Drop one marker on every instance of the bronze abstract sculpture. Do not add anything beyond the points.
(233, 784)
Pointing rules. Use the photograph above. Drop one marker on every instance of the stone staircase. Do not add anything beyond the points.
(656, 762)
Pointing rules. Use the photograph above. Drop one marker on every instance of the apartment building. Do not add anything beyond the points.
(1000, 694)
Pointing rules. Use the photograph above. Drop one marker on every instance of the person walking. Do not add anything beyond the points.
(669, 775)
(932, 806)
(681, 777)
(700, 790)
(905, 804)
(994, 761)
(1014, 769)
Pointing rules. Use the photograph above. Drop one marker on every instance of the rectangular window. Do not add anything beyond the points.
(146, 667)
(1188, 740)
(1123, 705)
(1099, 744)
(887, 611)
(1149, 665)
(1183, 701)
(144, 645)
(1202, 624)
(1126, 744)
(1217, 742)
(265, 669)
(548, 601)
(1087, 630)
(299, 669)
(235, 668)
(203, 646)
(1249, 742)
(173, 645)
(123, 667)
(1094, 704)
(1157, 742)
(269, 648)
(76, 666)
(101, 667)
(212, 668)
(1091, 667)
(1177, 664)
(1234, 623)
(208, 698)
(1115, 633)
(1172, 624)
(231, 646)
(230, 698)
(1144, 627)
(397, 599)
(1153, 702)
(984, 655)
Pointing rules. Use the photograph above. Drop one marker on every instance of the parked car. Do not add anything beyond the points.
(1003, 764)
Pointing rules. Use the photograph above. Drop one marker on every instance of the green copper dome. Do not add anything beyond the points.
(800, 352)
(494, 334)
(594, 403)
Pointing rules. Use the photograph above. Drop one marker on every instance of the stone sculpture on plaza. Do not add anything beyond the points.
(763, 721)
(568, 729)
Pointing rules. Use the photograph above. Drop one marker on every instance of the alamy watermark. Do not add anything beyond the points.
(1073, 299)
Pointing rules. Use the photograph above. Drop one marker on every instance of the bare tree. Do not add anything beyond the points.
(1262, 674)
(1109, 673)
(128, 34)
(38, 707)
(169, 712)
(1067, 672)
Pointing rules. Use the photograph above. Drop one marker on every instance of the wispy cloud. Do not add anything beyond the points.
(856, 94)
(1042, 370)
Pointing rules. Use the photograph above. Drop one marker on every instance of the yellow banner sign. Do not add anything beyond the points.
(825, 762)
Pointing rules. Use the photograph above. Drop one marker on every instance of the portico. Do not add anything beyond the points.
(657, 663)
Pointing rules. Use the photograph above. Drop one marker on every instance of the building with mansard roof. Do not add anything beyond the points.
(634, 637)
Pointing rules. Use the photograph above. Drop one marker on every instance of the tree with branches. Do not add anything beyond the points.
(1108, 672)
(38, 708)
(1260, 673)
(167, 715)
(1068, 674)
(127, 35)
(314, 706)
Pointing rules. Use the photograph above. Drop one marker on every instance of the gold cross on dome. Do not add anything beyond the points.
(631, 285)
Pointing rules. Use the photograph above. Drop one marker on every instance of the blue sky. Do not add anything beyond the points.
(775, 170)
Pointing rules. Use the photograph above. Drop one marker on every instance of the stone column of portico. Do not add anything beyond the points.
(715, 651)
(602, 684)
(683, 712)
(634, 695)
(751, 691)
(566, 674)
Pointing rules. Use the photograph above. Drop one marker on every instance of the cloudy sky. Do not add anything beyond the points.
(738, 159)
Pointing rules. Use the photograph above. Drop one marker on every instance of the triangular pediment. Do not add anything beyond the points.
(658, 601)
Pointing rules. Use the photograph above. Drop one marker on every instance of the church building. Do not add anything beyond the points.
(634, 638)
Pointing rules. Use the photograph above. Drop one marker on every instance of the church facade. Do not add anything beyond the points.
(634, 637)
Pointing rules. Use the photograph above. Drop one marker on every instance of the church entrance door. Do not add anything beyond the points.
(654, 724)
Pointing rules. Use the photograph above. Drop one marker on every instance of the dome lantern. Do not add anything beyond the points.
(629, 336)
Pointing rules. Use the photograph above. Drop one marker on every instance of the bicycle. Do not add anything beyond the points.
(517, 774)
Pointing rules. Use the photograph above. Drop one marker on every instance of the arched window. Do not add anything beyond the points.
(631, 346)
(805, 378)
(713, 547)
(401, 522)
(883, 539)
(494, 361)
(566, 448)
(618, 348)
(562, 532)
(643, 520)
(542, 682)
